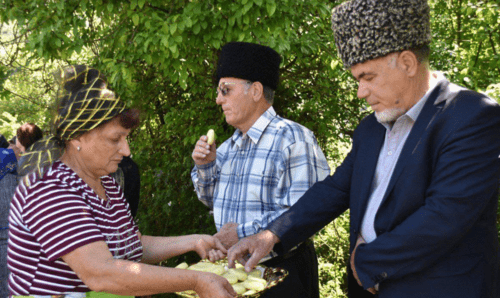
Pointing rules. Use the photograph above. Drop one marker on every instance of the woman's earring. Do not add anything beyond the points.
(78, 148)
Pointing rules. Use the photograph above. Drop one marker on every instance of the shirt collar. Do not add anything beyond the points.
(436, 79)
(448, 91)
(257, 129)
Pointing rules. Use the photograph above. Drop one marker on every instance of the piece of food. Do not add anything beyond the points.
(217, 269)
(249, 292)
(255, 273)
(239, 288)
(254, 285)
(210, 136)
(240, 274)
(201, 266)
(257, 279)
(231, 278)
(182, 265)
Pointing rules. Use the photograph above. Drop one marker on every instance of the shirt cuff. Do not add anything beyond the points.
(245, 230)
(206, 173)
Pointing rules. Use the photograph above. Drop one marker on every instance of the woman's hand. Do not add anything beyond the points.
(208, 247)
(215, 255)
(209, 285)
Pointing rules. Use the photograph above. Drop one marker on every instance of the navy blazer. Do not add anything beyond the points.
(436, 225)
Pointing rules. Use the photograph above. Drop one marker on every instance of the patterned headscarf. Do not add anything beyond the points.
(368, 29)
(83, 102)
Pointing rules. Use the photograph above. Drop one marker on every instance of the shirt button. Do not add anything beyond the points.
(389, 153)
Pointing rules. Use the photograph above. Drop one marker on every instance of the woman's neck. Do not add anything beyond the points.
(92, 180)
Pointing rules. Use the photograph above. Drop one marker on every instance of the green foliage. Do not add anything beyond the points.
(160, 57)
(8, 125)
(332, 247)
(466, 41)
(25, 82)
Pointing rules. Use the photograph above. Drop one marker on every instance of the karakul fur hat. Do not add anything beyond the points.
(368, 29)
(249, 61)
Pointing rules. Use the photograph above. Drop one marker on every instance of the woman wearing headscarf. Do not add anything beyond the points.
(71, 230)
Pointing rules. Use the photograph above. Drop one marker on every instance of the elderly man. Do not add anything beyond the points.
(264, 168)
(421, 180)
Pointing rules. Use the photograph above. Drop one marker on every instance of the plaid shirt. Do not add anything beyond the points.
(257, 176)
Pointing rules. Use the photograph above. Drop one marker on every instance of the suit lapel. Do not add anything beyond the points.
(372, 145)
(426, 117)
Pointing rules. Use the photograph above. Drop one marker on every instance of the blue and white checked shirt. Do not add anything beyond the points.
(258, 176)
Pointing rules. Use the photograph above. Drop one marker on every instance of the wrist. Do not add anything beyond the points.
(198, 280)
(271, 236)
(196, 238)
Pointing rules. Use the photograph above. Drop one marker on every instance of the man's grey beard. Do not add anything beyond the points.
(389, 115)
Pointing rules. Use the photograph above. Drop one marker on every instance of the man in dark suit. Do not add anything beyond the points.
(421, 179)
(129, 178)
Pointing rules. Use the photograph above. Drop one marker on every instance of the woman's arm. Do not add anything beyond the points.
(157, 249)
(95, 266)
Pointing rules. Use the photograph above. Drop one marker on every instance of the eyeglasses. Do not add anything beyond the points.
(222, 89)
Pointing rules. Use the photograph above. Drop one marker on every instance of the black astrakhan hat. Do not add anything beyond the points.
(249, 61)
(368, 29)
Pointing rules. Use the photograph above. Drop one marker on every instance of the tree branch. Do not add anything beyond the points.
(492, 43)
(30, 99)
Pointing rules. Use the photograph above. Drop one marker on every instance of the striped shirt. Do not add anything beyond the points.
(258, 175)
(57, 214)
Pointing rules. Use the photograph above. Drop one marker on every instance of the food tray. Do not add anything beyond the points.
(273, 276)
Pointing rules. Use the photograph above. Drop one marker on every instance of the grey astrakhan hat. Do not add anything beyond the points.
(368, 29)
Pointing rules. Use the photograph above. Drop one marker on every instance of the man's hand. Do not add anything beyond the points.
(358, 242)
(258, 246)
(228, 234)
(204, 153)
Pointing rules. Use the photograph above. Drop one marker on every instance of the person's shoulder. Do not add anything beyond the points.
(458, 100)
(7, 155)
(471, 98)
(53, 178)
(292, 131)
(36, 190)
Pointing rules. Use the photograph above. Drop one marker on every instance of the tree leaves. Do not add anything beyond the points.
(160, 56)
(271, 8)
(135, 19)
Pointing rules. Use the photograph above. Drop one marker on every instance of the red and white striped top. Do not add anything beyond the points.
(55, 215)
